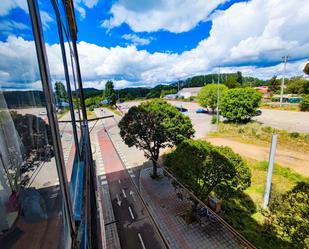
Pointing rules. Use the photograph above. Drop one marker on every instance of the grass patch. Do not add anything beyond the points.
(256, 133)
(114, 110)
(244, 211)
(90, 114)
(284, 107)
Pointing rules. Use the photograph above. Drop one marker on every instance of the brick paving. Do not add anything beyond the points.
(167, 208)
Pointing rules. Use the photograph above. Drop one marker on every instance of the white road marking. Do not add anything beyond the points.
(132, 194)
(124, 193)
(119, 181)
(141, 240)
(131, 213)
(118, 200)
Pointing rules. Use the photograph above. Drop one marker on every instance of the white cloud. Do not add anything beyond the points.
(244, 37)
(153, 15)
(81, 5)
(136, 40)
(9, 25)
(7, 5)
(46, 19)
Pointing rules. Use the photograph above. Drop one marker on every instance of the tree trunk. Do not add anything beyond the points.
(154, 168)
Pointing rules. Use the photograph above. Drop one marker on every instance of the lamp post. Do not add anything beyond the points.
(285, 59)
(218, 99)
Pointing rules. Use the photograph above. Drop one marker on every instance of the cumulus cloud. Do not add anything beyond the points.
(153, 15)
(7, 5)
(136, 40)
(46, 19)
(81, 5)
(250, 37)
(9, 26)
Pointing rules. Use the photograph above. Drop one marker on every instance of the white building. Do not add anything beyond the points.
(189, 92)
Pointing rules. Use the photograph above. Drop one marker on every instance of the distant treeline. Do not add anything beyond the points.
(231, 80)
(19, 99)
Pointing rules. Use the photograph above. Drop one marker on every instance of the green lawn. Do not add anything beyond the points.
(256, 133)
(244, 211)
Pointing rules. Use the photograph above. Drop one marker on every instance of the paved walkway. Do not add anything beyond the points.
(111, 234)
(169, 209)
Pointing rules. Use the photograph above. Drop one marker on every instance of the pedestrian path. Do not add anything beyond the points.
(111, 234)
(169, 210)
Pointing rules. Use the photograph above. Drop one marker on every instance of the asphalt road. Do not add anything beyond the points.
(287, 120)
(201, 122)
(135, 227)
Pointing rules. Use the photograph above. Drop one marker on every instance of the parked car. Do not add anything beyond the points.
(258, 112)
(181, 109)
(201, 110)
(43, 113)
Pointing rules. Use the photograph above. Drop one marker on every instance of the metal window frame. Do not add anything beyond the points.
(51, 110)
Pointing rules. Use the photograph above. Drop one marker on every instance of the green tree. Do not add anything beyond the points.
(154, 125)
(306, 69)
(240, 104)
(239, 78)
(204, 168)
(61, 94)
(109, 92)
(208, 95)
(289, 216)
(273, 85)
(304, 105)
(298, 85)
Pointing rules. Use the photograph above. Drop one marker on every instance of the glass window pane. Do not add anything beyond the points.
(30, 198)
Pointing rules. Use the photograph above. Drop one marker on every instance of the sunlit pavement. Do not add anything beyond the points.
(134, 226)
(164, 205)
(168, 209)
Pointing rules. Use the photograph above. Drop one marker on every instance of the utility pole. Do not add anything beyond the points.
(271, 162)
(285, 59)
(218, 99)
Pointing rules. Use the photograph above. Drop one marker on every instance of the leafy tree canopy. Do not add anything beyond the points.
(240, 104)
(273, 85)
(208, 95)
(61, 93)
(290, 216)
(110, 93)
(297, 85)
(154, 125)
(204, 168)
(306, 69)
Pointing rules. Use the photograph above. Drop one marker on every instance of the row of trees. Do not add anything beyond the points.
(237, 105)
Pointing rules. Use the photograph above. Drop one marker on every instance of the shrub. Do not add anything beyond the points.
(304, 105)
(213, 119)
(289, 216)
(240, 104)
(208, 168)
(294, 134)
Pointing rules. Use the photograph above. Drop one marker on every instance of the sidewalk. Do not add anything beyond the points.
(111, 233)
(167, 208)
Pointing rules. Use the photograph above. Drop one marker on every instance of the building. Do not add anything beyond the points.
(189, 92)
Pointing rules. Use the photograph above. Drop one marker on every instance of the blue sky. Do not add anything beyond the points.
(148, 42)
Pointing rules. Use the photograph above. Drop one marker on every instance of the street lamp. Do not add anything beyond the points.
(285, 59)
(218, 99)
